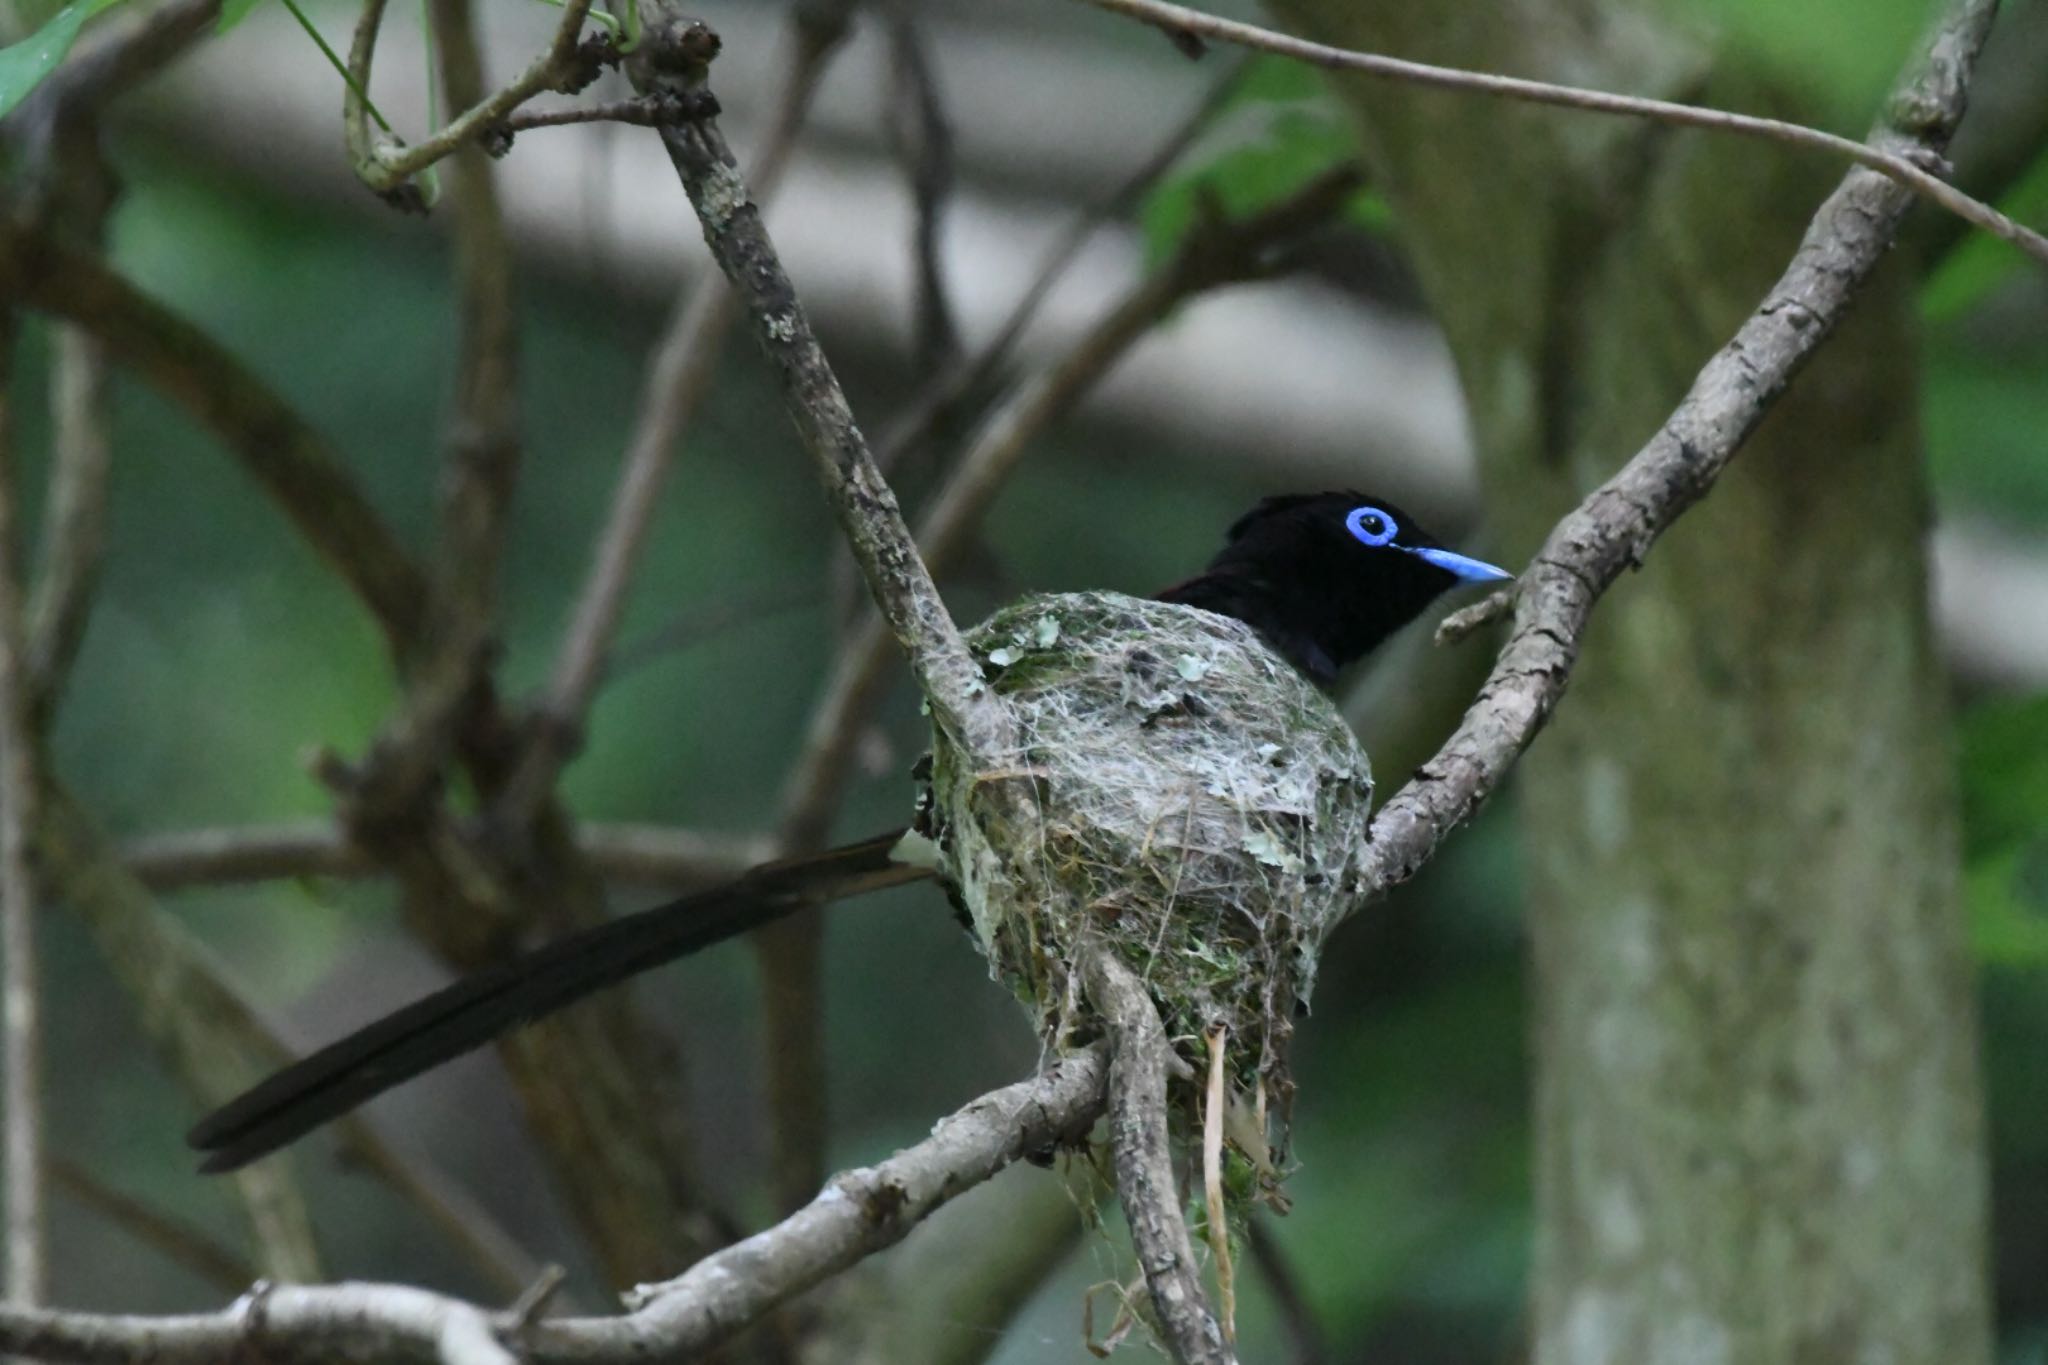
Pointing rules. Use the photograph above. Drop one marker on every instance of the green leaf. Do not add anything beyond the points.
(2005, 773)
(1266, 154)
(2004, 755)
(233, 12)
(24, 64)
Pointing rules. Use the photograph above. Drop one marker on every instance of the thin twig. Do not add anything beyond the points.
(1144, 1160)
(862, 1212)
(480, 465)
(355, 100)
(77, 194)
(938, 401)
(180, 1242)
(680, 375)
(923, 139)
(21, 1022)
(1213, 254)
(1897, 166)
(562, 66)
(644, 113)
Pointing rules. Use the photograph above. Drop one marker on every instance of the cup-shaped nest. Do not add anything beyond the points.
(1181, 794)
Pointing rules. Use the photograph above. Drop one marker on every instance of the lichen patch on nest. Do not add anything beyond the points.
(1194, 802)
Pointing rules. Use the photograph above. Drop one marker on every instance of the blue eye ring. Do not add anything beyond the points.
(1371, 526)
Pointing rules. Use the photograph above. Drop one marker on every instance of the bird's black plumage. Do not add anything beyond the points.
(1324, 578)
(1322, 598)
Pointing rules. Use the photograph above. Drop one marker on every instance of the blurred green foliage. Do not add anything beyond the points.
(2005, 822)
(1277, 130)
(221, 652)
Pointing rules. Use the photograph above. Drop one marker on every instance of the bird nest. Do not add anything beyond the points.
(1184, 796)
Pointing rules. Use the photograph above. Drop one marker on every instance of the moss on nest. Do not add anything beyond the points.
(1192, 800)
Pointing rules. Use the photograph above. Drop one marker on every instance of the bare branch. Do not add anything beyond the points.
(937, 401)
(638, 855)
(564, 66)
(684, 361)
(214, 1044)
(923, 140)
(291, 461)
(21, 1024)
(480, 463)
(76, 192)
(201, 1031)
(1897, 166)
(673, 59)
(644, 113)
(862, 1211)
(1615, 526)
(1144, 1160)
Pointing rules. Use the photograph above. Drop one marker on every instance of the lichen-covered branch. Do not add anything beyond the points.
(685, 359)
(861, 1212)
(673, 59)
(21, 1027)
(1617, 523)
(1144, 1161)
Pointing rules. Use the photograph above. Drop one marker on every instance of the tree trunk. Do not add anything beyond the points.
(1758, 1122)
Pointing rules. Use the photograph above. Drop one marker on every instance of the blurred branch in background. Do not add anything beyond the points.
(182, 1243)
(26, 1238)
(1898, 168)
(1401, 417)
(1312, 386)
(630, 855)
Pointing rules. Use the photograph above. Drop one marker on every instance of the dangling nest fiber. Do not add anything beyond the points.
(1192, 801)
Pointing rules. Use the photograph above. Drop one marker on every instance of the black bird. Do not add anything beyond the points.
(1324, 578)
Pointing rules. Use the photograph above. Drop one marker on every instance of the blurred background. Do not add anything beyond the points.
(221, 652)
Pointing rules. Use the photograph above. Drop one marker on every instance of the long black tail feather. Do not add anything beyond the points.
(478, 1007)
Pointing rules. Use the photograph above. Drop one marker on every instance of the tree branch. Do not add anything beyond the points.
(639, 855)
(1144, 1160)
(1615, 526)
(21, 1025)
(1897, 165)
(285, 456)
(480, 464)
(673, 59)
(685, 360)
(862, 1211)
(565, 66)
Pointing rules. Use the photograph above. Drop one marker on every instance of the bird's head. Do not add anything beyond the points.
(1326, 577)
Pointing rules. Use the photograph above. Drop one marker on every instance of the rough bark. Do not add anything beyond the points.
(1757, 1114)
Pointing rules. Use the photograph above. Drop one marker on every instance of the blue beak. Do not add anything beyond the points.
(1464, 566)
